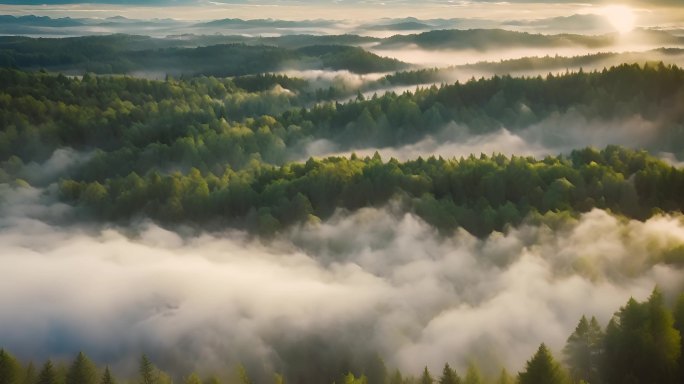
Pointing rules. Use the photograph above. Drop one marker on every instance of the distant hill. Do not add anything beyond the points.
(128, 53)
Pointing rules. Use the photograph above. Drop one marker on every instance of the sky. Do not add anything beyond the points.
(666, 11)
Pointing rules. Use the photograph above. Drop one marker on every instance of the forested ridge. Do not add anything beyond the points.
(480, 194)
(642, 343)
(122, 54)
(206, 150)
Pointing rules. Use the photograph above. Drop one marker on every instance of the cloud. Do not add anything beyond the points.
(374, 280)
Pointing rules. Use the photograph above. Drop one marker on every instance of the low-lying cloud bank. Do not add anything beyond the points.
(559, 133)
(374, 280)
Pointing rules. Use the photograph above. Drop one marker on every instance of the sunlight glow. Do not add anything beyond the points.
(621, 17)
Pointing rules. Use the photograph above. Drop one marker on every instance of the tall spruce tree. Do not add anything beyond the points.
(583, 351)
(543, 369)
(641, 344)
(48, 374)
(81, 371)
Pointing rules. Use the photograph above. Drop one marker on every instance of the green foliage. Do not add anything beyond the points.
(48, 374)
(583, 351)
(147, 371)
(542, 368)
(82, 371)
(122, 54)
(479, 194)
(426, 378)
(505, 378)
(10, 369)
(449, 376)
(678, 315)
(107, 377)
(351, 379)
(473, 375)
(641, 344)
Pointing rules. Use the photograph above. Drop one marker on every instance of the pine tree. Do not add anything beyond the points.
(426, 378)
(193, 378)
(82, 371)
(542, 368)
(396, 377)
(107, 377)
(243, 377)
(473, 375)
(505, 378)
(48, 374)
(679, 326)
(449, 376)
(583, 351)
(30, 376)
(641, 344)
(10, 370)
(147, 371)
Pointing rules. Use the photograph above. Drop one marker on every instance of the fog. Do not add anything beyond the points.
(559, 133)
(373, 280)
(445, 58)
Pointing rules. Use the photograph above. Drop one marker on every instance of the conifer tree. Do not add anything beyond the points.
(542, 368)
(10, 370)
(449, 376)
(48, 374)
(81, 371)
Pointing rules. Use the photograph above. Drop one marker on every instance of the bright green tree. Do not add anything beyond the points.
(641, 344)
(473, 375)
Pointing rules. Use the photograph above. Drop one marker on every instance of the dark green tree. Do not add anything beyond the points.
(10, 369)
(641, 344)
(48, 374)
(396, 377)
(147, 371)
(679, 326)
(543, 369)
(30, 375)
(81, 371)
(107, 377)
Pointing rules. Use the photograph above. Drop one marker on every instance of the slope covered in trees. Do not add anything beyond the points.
(479, 194)
(230, 148)
(121, 54)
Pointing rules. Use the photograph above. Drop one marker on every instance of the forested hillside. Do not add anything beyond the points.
(214, 150)
(123, 54)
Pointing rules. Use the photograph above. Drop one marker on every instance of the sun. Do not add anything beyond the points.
(621, 17)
